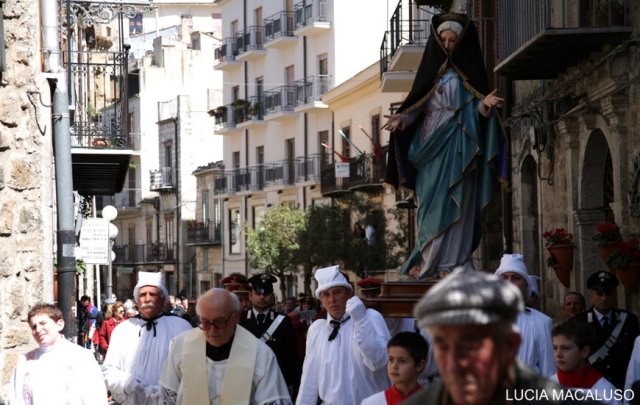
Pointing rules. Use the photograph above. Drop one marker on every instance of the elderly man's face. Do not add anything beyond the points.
(150, 301)
(218, 320)
(334, 300)
(602, 301)
(472, 363)
(573, 305)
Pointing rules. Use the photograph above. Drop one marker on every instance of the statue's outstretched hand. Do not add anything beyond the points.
(492, 100)
(394, 122)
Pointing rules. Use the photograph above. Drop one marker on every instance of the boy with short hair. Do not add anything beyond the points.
(407, 354)
(572, 344)
(58, 371)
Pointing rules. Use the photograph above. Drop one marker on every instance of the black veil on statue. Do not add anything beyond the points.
(466, 58)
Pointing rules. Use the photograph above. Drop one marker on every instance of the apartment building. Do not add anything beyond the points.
(173, 86)
(278, 58)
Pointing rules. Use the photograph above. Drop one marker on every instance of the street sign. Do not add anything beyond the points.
(342, 169)
(94, 241)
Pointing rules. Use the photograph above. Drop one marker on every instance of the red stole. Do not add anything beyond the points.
(583, 378)
(394, 397)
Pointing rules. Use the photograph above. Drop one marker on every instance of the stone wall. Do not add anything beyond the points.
(569, 181)
(26, 213)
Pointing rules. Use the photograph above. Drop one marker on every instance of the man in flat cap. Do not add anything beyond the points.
(139, 346)
(346, 351)
(276, 330)
(615, 329)
(471, 317)
(536, 349)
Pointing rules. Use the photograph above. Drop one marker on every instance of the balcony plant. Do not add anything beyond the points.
(240, 104)
(607, 237)
(255, 108)
(625, 261)
(560, 244)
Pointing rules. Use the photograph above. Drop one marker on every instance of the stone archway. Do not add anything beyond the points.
(530, 215)
(596, 195)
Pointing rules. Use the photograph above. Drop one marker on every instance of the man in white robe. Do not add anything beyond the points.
(139, 346)
(211, 365)
(58, 371)
(536, 349)
(346, 353)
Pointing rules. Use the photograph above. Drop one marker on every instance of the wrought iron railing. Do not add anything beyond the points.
(227, 51)
(279, 25)
(144, 253)
(279, 173)
(250, 40)
(310, 11)
(279, 99)
(311, 89)
(308, 167)
(208, 232)
(521, 20)
(162, 179)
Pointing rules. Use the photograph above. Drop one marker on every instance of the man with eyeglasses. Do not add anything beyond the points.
(210, 365)
(139, 346)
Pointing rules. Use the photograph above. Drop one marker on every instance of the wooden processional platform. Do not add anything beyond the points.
(397, 298)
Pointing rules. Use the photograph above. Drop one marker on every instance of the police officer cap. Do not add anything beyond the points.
(602, 281)
(262, 283)
(469, 297)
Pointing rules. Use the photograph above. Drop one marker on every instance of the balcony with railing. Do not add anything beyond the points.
(309, 93)
(278, 30)
(311, 17)
(330, 185)
(162, 179)
(308, 168)
(204, 233)
(252, 113)
(250, 43)
(279, 173)
(100, 139)
(366, 172)
(144, 253)
(401, 50)
(280, 102)
(542, 39)
(220, 184)
(225, 54)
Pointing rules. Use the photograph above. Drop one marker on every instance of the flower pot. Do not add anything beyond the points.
(629, 277)
(605, 249)
(563, 275)
(563, 252)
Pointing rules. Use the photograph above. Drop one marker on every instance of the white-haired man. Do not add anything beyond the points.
(139, 346)
(346, 353)
(536, 350)
(212, 365)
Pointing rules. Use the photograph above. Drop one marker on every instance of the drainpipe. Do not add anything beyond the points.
(65, 238)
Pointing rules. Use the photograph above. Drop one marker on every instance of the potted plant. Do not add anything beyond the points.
(560, 244)
(607, 237)
(563, 276)
(255, 109)
(625, 261)
(240, 104)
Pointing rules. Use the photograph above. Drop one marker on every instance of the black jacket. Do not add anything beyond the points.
(282, 342)
(614, 366)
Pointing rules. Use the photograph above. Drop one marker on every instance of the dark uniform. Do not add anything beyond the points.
(612, 364)
(283, 340)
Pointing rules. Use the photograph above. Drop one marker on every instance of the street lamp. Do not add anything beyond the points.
(110, 213)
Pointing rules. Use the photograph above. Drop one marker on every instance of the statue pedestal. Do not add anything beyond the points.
(397, 298)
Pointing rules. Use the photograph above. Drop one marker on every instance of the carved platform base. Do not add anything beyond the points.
(397, 298)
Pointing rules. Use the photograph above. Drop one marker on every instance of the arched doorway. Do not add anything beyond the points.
(530, 215)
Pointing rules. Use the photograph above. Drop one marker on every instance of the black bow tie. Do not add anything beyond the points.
(150, 323)
(336, 326)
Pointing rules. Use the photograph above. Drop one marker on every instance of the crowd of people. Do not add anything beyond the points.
(473, 340)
